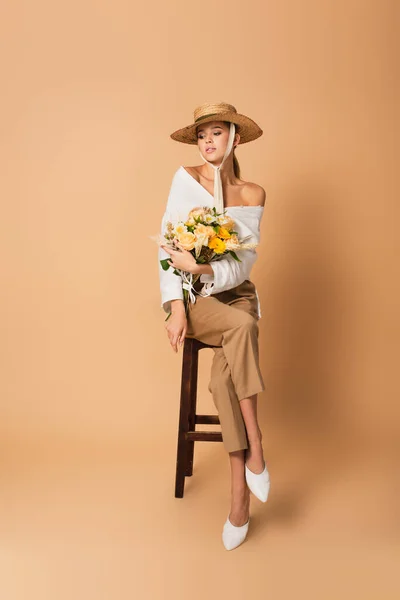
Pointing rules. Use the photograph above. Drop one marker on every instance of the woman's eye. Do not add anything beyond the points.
(200, 137)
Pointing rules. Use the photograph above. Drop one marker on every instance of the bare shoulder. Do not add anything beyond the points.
(193, 171)
(253, 194)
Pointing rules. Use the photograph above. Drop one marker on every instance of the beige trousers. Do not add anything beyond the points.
(229, 319)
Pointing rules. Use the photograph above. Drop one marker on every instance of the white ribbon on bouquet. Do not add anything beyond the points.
(187, 284)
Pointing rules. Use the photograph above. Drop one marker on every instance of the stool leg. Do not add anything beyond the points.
(185, 407)
(193, 407)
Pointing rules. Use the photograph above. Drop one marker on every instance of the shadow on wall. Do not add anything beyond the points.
(307, 336)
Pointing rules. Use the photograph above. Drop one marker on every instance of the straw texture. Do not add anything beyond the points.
(221, 111)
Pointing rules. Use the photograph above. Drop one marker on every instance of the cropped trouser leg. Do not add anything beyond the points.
(229, 320)
(226, 401)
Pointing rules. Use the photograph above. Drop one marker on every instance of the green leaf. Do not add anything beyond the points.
(165, 264)
(235, 256)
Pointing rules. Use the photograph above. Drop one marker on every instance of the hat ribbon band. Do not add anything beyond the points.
(205, 116)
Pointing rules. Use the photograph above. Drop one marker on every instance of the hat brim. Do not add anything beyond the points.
(247, 128)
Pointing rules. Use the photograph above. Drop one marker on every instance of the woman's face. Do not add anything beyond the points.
(212, 139)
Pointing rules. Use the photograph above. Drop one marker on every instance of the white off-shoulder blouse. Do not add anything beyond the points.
(185, 194)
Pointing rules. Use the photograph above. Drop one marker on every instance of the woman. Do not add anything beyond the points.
(226, 310)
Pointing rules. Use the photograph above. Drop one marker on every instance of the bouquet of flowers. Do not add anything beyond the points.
(208, 235)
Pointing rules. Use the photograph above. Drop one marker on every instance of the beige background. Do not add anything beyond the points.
(90, 386)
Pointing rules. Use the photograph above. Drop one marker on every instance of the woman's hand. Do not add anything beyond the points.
(182, 259)
(176, 327)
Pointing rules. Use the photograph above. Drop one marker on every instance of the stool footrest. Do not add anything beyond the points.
(207, 419)
(203, 436)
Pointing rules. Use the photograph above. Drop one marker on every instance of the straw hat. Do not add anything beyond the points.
(221, 111)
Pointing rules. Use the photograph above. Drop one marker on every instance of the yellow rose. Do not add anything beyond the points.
(204, 231)
(198, 211)
(224, 233)
(227, 222)
(187, 240)
(217, 245)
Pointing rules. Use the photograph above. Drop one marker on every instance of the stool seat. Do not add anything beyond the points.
(188, 418)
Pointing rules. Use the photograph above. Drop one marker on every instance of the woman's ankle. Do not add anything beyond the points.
(240, 498)
(239, 490)
(255, 449)
(255, 441)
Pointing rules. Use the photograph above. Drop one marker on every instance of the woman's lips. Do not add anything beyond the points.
(210, 150)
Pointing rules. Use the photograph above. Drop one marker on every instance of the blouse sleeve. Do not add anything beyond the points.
(228, 272)
(170, 284)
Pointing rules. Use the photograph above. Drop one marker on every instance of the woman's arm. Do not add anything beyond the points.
(204, 270)
(228, 272)
(170, 284)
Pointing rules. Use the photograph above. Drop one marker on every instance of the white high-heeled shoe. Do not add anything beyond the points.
(233, 536)
(259, 483)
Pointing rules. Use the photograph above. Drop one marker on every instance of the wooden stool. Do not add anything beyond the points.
(187, 434)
